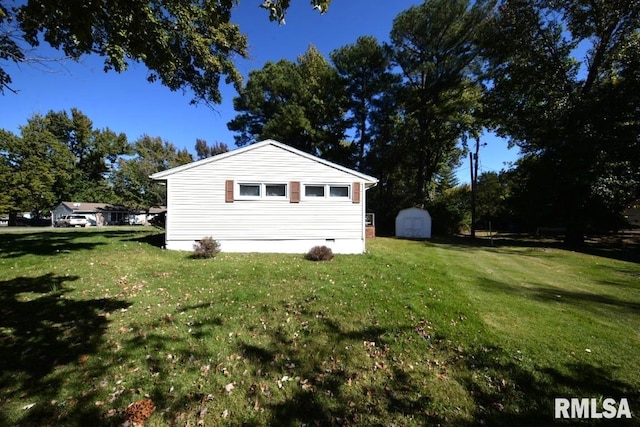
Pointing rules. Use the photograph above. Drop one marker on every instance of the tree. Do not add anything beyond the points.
(493, 193)
(203, 150)
(185, 44)
(575, 119)
(36, 169)
(434, 46)
(365, 71)
(150, 155)
(95, 152)
(301, 103)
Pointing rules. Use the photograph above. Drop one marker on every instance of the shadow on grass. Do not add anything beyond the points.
(334, 386)
(506, 394)
(586, 300)
(42, 243)
(42, 332)
(331, 386)
(156, 238)
(623, 247)
(48, 242)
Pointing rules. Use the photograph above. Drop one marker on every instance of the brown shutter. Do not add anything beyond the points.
(228, 191)
(295, 192)
(356, 192)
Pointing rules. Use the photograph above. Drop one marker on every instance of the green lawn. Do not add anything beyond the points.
(412, 333)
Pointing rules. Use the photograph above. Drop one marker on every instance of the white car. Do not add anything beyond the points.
(72, 221)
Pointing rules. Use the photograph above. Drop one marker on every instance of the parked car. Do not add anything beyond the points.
(72, 221)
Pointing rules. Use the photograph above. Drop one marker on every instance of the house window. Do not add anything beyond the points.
(314, 191)
(254, 190)
(339, 191)
(275, 190)
(323, 191)
(249, 190)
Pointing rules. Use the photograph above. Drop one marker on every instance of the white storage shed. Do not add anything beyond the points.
(413, 223)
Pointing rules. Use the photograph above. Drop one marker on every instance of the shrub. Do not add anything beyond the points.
(206, 248)
(319, 253)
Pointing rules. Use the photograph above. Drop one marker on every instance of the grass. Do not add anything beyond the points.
(411, 333)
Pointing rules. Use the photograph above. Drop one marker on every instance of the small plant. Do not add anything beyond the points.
(207, 247)
(319, 253)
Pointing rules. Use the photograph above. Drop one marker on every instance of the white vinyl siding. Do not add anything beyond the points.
(196, 200)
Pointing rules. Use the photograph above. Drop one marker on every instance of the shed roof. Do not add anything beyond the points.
(369, 180)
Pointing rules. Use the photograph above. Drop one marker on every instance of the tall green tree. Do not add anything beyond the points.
(434, 46)
(150, 155)
(185, 44)
(365, 71)
(35, 169)
(95, 151)
(302, 103)
(574, 114)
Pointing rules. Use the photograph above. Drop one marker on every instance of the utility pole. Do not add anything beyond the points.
(473, 165)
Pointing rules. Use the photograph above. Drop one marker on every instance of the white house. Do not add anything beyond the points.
(266, 197)
(413, 223)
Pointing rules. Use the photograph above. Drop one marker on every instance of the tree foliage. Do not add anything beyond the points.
(61, 157)
(364, 68)
(95, 152)
(131, 181)
(575, 118)
(204, 150)
(36, 168)
(301, 103)
(434, 45)
(185, 44)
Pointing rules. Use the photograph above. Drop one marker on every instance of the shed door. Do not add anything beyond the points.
(413, 226)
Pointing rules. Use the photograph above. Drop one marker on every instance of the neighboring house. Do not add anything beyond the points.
(413, 223)
(104, 213)
(266, 197)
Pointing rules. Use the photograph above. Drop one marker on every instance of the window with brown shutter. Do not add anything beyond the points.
(295, 192)
(228, 191)
(356, 192)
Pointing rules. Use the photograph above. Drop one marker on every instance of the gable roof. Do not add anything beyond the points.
(165, 174)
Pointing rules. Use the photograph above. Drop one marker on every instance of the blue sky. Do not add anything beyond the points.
(127, 103)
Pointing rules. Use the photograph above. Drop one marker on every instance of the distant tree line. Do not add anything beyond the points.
(62, 157)
(558, 80)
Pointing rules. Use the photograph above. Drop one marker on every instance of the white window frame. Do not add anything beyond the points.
(263, 191)
(327, 191)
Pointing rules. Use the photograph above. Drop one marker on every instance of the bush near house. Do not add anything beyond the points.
(319, 253)
(207, 247)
